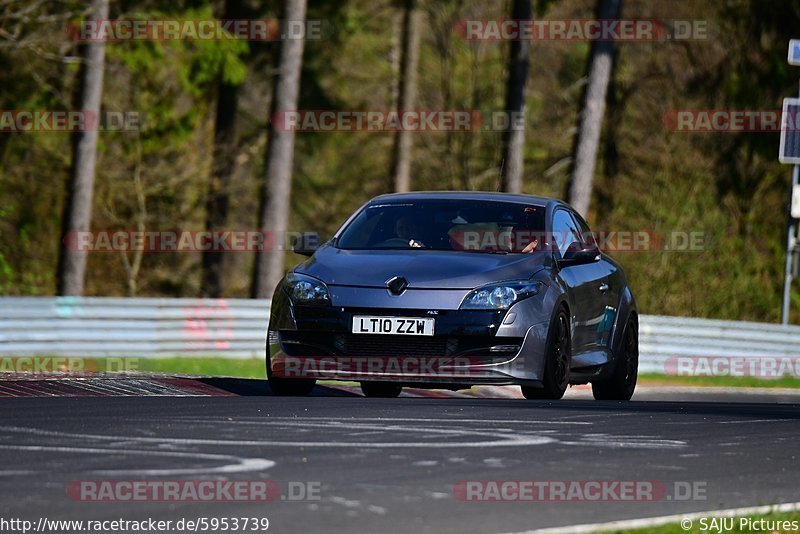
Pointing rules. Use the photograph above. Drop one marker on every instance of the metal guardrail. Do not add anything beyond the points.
(663, 341)
(117, 327)
(235, 328)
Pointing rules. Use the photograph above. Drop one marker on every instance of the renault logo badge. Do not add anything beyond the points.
(397, 285)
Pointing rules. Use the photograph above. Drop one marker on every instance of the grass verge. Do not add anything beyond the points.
(719, 381)
(244, 368)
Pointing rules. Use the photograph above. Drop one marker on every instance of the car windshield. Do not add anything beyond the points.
(462, 225)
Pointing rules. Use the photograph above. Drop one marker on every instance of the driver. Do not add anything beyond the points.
(405, 228)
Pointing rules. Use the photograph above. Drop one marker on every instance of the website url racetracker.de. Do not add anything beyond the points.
(144, 526)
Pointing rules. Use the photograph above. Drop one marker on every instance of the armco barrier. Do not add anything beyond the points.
(107, 326)
(235, 328)
(663, 338)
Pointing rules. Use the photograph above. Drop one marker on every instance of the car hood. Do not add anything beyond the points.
(423, 269)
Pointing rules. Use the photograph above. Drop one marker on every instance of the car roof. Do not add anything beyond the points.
(488, 196)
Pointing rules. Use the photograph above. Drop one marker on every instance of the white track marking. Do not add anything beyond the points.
(242, 465)
(16, 472)
(267, 420)
(616, 442)
(236, 465)
(505, 440)
(749, 421)
(648, 522)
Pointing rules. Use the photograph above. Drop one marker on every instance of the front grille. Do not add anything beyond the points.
(329, 343)
(377, 345)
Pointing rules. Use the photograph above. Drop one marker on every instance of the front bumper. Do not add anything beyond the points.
(468, 347)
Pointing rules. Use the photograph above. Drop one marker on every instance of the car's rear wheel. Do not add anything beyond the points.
(557, 359)
(380, 389)
(298, 387)
(621, 384)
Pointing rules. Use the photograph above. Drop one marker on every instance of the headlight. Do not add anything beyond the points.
(306, 290)
(499, 296)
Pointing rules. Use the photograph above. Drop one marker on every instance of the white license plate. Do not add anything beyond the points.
(404, 326)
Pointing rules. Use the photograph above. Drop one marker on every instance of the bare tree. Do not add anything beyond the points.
(275, 202)
(78, 211)
(222, 168)
(590, 122)
(401, 156)
(134, 264)
(511, 163)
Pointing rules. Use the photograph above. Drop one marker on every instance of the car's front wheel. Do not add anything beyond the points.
(298, 387)
(380, 389)
(557, 360)
(622, 382)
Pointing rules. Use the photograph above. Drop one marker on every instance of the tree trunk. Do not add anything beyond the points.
(78, 210)
(401, 156)
(607, 192)
(587, 139)
(221, 171)
(275, 202)
(511, 163)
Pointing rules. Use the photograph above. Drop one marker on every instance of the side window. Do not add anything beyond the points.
(565, 231)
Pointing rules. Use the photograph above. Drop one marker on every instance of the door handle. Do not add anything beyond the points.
(603, 287)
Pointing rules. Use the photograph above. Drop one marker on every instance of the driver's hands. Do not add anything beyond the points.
(531, 247)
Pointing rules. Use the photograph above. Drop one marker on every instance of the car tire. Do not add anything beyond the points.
(622, 382)
(558, 354)
(296, 387)
(384, 390)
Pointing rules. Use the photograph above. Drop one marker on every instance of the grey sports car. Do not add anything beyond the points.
(451, 290)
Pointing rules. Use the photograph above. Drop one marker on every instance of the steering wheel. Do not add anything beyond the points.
(400, 242)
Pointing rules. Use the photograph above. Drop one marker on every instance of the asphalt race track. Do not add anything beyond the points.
(391, 465)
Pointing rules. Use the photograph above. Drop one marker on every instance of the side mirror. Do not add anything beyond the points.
(580, 254)
(306, 243)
